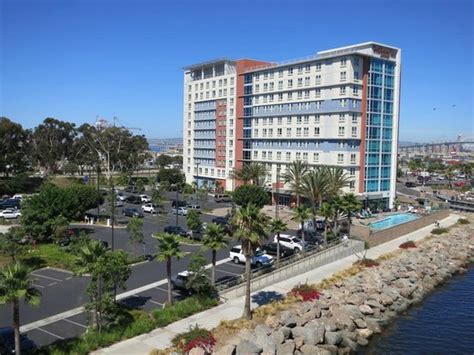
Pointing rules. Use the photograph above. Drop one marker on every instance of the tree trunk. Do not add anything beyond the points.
(278, 247)
(16, 325)
(247, 313)
(349, 226)
(168, 273)
(303, 232)
(298, 200)
(213, 275)
(325, 232)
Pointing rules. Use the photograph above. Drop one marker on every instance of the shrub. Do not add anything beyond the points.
(182, 309)
(407, 245)
(438, 231)
(194, 338)
(251, 194)
(463, 221)
(305, 292)
(366, 263)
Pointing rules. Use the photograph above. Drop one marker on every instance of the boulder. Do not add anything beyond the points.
(286, 332)
(333, 338)
(247, 347)
(328, 323)
(374, 304)
(355, 299)
(360, 323)
(390, 292)
(299, 341)
(266, 343)
(288, 347)
(373, 325)
(262, 330)
(312, 334)
(351, 344)
(365, 333)
(228, 349)
(331, 348)
(362, 341)
(277, 336)
(272, 322)
(385, 300)
(365, 310)
(343, 317)
(308, 349)
(197, 351)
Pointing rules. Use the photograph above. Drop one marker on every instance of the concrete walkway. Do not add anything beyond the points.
(161, 338)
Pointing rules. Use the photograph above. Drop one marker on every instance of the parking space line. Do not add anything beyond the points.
(165, 290)
(47, 277)
(240, 266)
(68, 278)
(159, 304)
(52, 283)
(35, 285)
(228, 272)
(48, 332)
(79, 324)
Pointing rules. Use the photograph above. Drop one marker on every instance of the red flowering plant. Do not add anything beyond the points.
(195, 338)
(407, 245)
(305, 292)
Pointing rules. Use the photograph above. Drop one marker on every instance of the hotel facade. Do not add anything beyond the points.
(339, 107)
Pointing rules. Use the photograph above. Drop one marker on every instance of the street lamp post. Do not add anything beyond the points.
(176, 204)
(197, 181)
(277, 193)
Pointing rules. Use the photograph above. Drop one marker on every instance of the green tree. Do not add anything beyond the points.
(249, 225)
(337, 180)
(327, 212)
(164, 160)
(294, 175)
(214, 240)
(301, 214)
(14, 147)
(277, 226)
(316, 185)
(70, 168)
(53, 143)
(10, 243)
(250, 194)
(336, 204)
(193, 221)
(178, 159)
(255, 173)
(168, 248)
(135, 231)
(15, 285)
(171, 176)
(349, 205)
(198, 281)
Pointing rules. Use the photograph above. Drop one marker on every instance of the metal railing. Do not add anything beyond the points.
(289, 267)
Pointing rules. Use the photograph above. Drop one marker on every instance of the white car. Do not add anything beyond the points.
(10, 213)
(259, 259)
(17, 197)
(151, 208)
(197, 208)
(121, 196)
(182, 211)
(145, 198)
(290, 241)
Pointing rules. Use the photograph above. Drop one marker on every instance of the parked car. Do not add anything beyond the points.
(151, 208)
(132, 212)
(145, 198)
(133, 199)
(259, 259)
(17, 197)
(310, 237)
(180, 203)
(271, 249)
(220, 220)
(119, 203)
(176, 230)
(222, 198)
(10, 203)
(181, 211)
(196, 208)
(291, 242)
(180, 280)
(131, 189)
(10, 213)
(7, 342)
(410, 184)
(121, 196)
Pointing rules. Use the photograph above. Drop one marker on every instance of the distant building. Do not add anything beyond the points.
(339, 107)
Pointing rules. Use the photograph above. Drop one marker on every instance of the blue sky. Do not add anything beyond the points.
(76, 59)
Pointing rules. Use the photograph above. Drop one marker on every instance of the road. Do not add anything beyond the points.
(63, 292)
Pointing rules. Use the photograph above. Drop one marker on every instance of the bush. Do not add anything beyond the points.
(182, 309)
(438, 231)
(463, 221)
(305, 292)
(21, 183)
(407, 245)
(246, 194)
(366, 263)
(194, 338)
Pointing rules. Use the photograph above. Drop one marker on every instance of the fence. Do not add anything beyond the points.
(295, 268)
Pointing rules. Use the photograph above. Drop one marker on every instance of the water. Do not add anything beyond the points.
(392, 220)
(442, 324)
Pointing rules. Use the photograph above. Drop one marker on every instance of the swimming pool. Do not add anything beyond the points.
(392, 220)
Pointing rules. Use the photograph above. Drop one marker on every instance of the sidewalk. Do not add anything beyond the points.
(161, 338)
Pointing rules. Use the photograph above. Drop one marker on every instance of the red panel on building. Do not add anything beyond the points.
(363, 123)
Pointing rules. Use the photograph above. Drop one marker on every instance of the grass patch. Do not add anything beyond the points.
(52, 255)
(182, 309)
(184, 240)
(438, 231)
(463, 221)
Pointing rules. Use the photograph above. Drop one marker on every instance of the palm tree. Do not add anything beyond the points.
(349, 205)
(214, 239)
(241, 174)
(253, 173)
(168, 248)
(301, 214)
(294, 175)
(277, 226)
(338, 179)
(250, 224)
(16, 284)
(336, 205)
(327, 212)
(315, 187)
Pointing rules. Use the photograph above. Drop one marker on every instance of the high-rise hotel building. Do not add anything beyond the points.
(339, 107)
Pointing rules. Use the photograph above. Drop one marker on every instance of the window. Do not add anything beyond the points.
(352, 171)
(354, 118)
(290, 96)
(356, 61)
(270, 132)
(305, 131)
(342, 90)
(306, 94)
(280, 97)
(316, 157)
(356, 75)
(265, 76)
(306, 119)
(340, 158)
(288, 132)
(354, 131)
(265, 87)
(288, 120)
(272, 86)
(341, 118)
(318, 79)
(318, 66)
(255, 132)
(318, 93)
(307, 68)
(355, 90)
(300, 69)
(279, 132)
(270, 154)
(317, 119)
(290, 71)
(340, 131)
(264, 155)
(298, 155)
(305, 156)
(352, 185)
(300, 82)
(298, 131)
(257, 77)
(280, 120)
(232, 81)
(343, 76)
(290, 83)
(271, 75)
(353, 158)
(317, 131)
(343, 62)
(257, 87)
(280, 73)
(278, 155)
(307, 81)
(288, 156)
(342, 102)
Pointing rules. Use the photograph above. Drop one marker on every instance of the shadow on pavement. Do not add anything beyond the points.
(264, 297)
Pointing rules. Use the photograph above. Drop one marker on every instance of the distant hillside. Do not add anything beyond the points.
(165, 141)
(406, 143)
